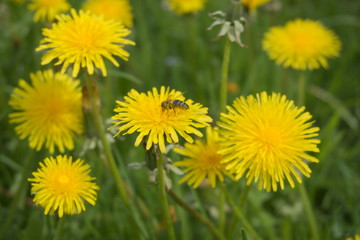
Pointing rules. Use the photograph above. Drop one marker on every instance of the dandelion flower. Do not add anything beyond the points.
(268, 137)
(46, 10)
(253, 4)
(84, 39)
(48, 112)
(186, 6)
(119, 10)
(143, 113)
(63, 185)
(301, 45)
(203, 160)
(357, 237)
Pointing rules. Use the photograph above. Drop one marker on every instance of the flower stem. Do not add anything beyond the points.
(304, 196)
(59, 228)
(301, 89)
(198, 216)
(162, 189)
(27, 165)
(105, 144)
(110, 160)
(224, 75)
(309, 212)
(246, 224)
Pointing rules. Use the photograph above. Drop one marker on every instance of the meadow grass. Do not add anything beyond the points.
(178, 51)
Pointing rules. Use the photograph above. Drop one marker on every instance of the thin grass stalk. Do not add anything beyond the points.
(163, 198)
(246, 224)
(214, 230)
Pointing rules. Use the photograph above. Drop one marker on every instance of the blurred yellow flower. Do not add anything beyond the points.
(203, 160)
(84, 39)
(253, 4)
(46, 10)
(119, 10)
(357, 237)
(186, 6)
(48, 112)
(144, 113)
(301, 44)
(268, 137)
(63, 185)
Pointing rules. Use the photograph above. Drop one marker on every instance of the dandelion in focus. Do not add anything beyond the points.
(46, 10)
(63, 185)
(202, 160)
(182, 7)
(48, 111)
(157, 119)
(268, 137)
(84, 39)
(119, 10)
(301, 44)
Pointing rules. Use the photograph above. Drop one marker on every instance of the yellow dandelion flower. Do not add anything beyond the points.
(48, 112)
(203, 160)
(83, 40)
(148, 115)
(253, 4)
(46, 10)
(301, 44)
(186, 6)
(268, 137)
(357, 237)
(63, 185)
(119, 10)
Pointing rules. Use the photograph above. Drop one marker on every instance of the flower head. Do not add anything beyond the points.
(148, 115)
(203, 160)
(48, 112)
(63, 185)
(268, 137)
(83, 39)
(119, 10)
(47, 10)
(186, 6)
(253, 4)
(301, 44)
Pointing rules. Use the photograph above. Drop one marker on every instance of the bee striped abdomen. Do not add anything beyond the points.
(172, 104)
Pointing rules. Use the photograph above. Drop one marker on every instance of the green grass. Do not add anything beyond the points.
(179, 52)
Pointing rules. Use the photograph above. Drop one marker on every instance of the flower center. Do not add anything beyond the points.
(270, 138)
(63, 179)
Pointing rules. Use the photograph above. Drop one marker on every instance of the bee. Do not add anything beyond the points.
(173, 104)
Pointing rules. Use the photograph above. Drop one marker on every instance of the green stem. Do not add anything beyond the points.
(224, 75)
(243, 196)
(59, 228)
(304, 196)
(221, 211)
(120, 185)
(246, 224)
(110, 160)
(15, 203)
(301, 89)
(309, 212)
(163, 198)
(198, 216)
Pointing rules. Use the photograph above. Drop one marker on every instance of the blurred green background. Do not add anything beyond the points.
(179, 52)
